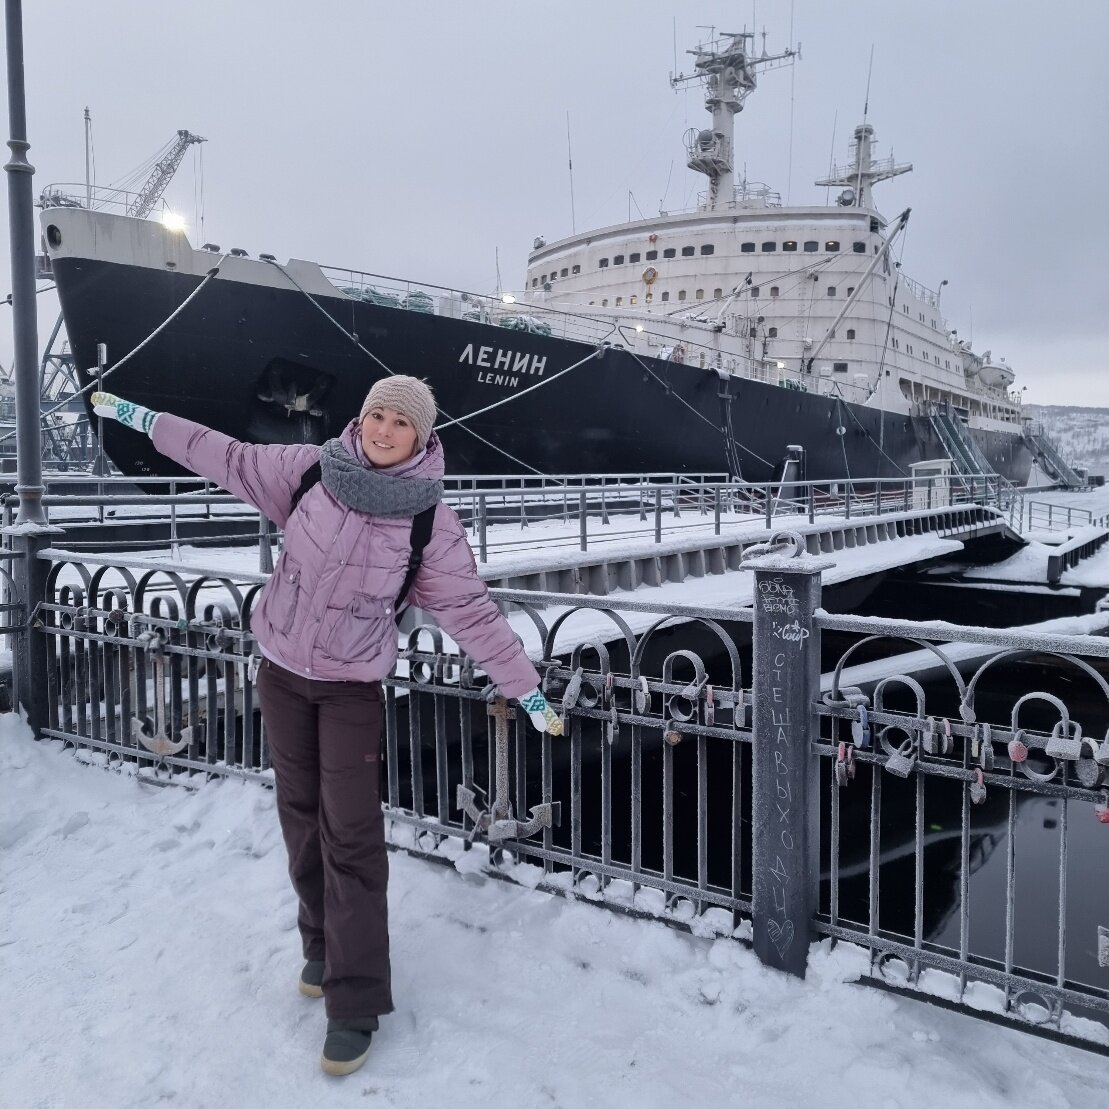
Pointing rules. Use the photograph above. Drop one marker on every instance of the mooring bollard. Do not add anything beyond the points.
(785, 806)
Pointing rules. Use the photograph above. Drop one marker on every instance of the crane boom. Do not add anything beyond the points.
(160, 176)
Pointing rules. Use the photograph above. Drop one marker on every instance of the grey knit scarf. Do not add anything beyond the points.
(376, 494)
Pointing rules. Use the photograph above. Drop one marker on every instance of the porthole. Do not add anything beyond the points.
(53, 235)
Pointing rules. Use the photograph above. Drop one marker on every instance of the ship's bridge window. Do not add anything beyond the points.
(839, 367)
(604, 303)
(666, 295)
(633, 300)
(832, 245)
(789, 245)
(617, 259)
(850, 333)
(747, 248)
(717, 293)
(708, 248)
(603, 264)
(563, 272)
(576, 269)
(755, 291)
(669, 252)
(535, 282)
(633, 258)
(811, 246)
(769, 246)
(687, 251)
(649, 297)
(772, 333)
(850, 289)
(859, 248)
(831, 290)
(619, 301)
(937, 359)
(700, 294)
(681, 294)
(773, 290)
(543, 279)
(651, 255)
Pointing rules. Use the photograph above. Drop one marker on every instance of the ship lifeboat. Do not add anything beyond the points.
(997, 375)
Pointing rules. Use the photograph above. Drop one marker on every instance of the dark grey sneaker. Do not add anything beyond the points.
(311, 979)
(347, 1044)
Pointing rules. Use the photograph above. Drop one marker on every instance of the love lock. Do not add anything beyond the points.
(934, 743)
(642, 695)
(1101, 809)
(860, 728)
(1018, 749)
(845, 764)
(1103, 752)
(978, 787)
(984, 738)
(710, 707)
(902, 760)
(1087, 770)
(1062, 746)
(612, 726)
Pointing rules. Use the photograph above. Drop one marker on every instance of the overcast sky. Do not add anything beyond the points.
(422, 138)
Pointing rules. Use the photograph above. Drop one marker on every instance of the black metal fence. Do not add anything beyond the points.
(710, 775)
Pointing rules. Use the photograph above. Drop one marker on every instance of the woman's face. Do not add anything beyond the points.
(388, 436)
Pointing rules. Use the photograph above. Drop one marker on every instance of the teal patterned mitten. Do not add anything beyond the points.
(127, 412)
(542, 715)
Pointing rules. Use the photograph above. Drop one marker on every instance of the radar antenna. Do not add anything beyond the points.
(728, 69)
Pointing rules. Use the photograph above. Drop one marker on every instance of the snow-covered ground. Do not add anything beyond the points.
(149, 956)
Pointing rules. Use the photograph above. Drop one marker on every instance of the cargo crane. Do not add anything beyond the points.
(68, 441)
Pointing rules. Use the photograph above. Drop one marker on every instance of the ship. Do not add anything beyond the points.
(740, 338)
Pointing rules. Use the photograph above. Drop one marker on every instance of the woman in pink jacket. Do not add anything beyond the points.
(325, 624)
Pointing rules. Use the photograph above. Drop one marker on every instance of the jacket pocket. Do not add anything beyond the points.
(355, 632)
(285, 597)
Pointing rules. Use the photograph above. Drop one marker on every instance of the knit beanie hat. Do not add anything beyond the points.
(408, 395)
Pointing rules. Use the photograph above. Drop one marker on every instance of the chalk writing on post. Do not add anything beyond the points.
(779, 927)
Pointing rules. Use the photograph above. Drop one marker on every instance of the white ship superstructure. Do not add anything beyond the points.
(807, 297)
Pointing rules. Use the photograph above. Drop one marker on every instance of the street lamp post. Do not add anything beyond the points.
(30, 533)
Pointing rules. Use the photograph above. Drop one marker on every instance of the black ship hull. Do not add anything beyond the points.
(266, 364)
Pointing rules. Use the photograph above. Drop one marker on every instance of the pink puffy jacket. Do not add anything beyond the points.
(327, 611)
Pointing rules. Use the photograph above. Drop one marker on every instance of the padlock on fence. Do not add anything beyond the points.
(1101, 809)
(1062, 745)
(1018, 749)
(860, 728)
(933, 742)
(845, 764)
(902, 760)
(985, 746)
(978, 787)
(1086, 769)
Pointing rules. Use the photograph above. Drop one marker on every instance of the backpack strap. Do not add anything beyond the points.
(312, 476)
(422, 524)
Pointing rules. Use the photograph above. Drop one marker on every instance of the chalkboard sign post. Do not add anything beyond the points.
(785, 813)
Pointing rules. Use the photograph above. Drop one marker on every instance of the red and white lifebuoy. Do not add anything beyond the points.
(650, 275)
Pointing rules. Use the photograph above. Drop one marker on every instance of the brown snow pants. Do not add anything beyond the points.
(325, 745)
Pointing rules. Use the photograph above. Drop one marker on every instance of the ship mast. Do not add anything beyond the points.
(727, 69)
(858, 178)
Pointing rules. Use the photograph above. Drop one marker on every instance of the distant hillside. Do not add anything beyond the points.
(1081, 433)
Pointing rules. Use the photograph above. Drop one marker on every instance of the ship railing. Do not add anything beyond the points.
(1048, 516)
(511, 314)
(505, 515)
(907, 792)
(747, 194)
(920, 291)
(70, 194)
